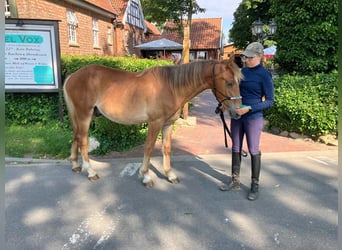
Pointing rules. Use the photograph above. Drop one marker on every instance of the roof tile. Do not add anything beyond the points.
(103, 4)
(120, 7)
(151, 28)
(205, 33)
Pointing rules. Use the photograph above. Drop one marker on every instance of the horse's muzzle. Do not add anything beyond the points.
(233, 114)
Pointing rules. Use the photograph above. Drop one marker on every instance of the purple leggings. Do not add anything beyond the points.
(252, 128)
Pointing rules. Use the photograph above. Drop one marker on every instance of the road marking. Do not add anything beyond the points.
(96, 226)
(130, 169)
(316, 160)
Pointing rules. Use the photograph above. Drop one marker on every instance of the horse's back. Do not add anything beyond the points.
(97, 71)
(94, 77)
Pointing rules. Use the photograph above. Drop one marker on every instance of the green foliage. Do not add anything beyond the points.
(30, 108)
(306, 36)
(117, 137)
(160, 11)
(70, 64)
(248, 12)
(305, 104)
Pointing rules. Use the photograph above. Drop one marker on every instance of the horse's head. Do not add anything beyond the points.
(226, 76)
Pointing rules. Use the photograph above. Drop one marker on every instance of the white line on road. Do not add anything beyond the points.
(316, 160)
(130, 169)
(99, 226)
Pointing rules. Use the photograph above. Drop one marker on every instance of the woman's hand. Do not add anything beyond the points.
(242, 111)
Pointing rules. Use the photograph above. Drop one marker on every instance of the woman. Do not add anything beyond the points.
(257, 93)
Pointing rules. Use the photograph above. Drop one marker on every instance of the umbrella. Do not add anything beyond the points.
(270, 51)
(161, 44)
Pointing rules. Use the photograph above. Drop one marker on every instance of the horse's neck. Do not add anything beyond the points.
(191, 93)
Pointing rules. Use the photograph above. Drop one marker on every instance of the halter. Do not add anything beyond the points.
(226, 98)
(218, 110)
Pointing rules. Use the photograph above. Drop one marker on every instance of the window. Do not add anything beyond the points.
(109, 35)
(7, 9)
(95, 33)
(192, 56)
(202, 55)
(133, 39)
(72, 25)
(134, 16)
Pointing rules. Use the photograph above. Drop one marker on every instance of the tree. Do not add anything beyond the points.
(306, 35)
(248, 12)
(178, 11)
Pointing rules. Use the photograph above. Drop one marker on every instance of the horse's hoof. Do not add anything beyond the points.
(77, 169)
(174, 181)
(94, 178)
(148, 184)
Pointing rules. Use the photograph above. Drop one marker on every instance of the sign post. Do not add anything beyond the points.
(32, 56)
(186, 59)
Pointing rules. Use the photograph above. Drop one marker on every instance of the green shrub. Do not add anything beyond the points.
(117, 137)
(70, 64)
(31, 108)
(305, 104)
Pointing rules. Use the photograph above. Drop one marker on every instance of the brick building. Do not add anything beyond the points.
(205, 37)
(90, 27)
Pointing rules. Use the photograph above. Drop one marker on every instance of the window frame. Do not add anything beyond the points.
(7, 9)
(72, 22)
(95, 29)
(109, 36)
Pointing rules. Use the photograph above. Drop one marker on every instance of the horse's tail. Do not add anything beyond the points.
(70, 105)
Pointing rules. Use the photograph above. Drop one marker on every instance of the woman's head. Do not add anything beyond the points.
(253, 54)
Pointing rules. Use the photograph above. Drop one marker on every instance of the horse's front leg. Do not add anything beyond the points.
(152, 134)
(166, 149)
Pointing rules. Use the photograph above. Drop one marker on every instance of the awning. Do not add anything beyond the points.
(270, 51)
(161, 44)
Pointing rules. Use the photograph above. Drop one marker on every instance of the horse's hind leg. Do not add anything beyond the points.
(74, 155)
(83, 145)
(74, 146)
(166, 148)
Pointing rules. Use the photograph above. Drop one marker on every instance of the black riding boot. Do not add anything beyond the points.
(235, 182)
(254, 192)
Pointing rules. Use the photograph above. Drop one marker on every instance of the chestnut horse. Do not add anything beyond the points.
(155, 96)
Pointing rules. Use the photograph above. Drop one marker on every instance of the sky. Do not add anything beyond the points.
(220, 8)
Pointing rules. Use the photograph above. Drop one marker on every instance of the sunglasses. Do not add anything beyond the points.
(247, 57)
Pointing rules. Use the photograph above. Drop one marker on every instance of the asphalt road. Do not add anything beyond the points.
(47, 206)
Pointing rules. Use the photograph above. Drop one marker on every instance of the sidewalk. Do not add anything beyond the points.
(206, 136)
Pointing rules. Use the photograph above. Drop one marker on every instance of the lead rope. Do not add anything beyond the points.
(219, 110)
(226, 130)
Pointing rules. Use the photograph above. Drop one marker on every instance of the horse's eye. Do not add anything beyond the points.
(229, 84)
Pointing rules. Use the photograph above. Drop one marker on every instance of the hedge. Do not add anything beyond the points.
(305, 104)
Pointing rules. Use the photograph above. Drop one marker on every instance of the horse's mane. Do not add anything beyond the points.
(236, 71)
(188, 75)
(183, 75)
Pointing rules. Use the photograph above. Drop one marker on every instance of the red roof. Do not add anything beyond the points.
(103, 4)
(205, 33)
(120, 7)
(151, 28)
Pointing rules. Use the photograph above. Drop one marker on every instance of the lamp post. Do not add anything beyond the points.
(261, 33)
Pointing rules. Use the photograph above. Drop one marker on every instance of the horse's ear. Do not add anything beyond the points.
(231, 58)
